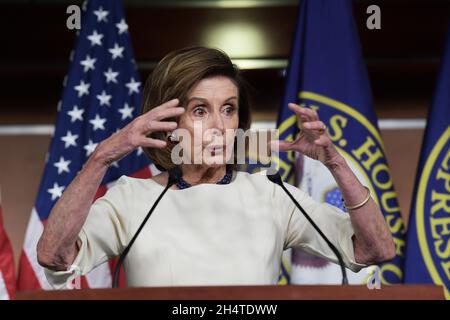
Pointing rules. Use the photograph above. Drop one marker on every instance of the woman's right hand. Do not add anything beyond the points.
(135, 134)
(57, 247)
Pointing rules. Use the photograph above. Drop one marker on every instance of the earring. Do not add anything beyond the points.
(172, 137)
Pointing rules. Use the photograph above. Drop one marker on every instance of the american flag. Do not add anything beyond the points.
(101, 94)
(7, 278)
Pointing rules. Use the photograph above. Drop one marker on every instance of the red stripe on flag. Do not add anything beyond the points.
(122, 279)
(100, 192)
(144, 173)
(6, 260)
(84, 283)
(27, 280)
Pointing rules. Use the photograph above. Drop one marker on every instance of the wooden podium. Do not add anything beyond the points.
(290, 292)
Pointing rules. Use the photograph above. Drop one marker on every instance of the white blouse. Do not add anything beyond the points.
(208, 234)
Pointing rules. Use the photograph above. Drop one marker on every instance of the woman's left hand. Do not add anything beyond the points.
(373, 242)
(313, 140)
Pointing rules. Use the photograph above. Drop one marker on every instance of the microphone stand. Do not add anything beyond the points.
(275, 178)
(174, 176)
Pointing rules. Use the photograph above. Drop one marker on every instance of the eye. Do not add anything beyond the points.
(229, 109)
(199, 111)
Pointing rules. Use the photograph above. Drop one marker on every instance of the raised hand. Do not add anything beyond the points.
(135, 134)
(313, 140)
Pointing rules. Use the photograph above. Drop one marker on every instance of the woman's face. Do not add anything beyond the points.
(211, 120)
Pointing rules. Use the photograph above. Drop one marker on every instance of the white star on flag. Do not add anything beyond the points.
(116, 51)
(56, 191)
(75, 114)
(104, 98)
(90, 147)
(122, 26)
(126, 111)
(88, 63)
(111, 75)
(62, 165)
(101, 14)
(82, 88)
(98, 123)
(133, 86)
(95, 38)
(69, 139)
(139, 151)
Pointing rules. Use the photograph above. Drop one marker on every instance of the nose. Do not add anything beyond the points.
(217, 124)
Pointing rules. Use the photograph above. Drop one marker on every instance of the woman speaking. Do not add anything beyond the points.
(215, 225)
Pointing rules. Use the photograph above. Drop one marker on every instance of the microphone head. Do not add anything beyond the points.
(174, 175)
(275, 178)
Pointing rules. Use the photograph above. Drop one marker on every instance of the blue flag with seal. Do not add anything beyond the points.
(428, 245)
(326, 72)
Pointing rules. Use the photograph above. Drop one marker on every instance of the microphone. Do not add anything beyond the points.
(174, 177)
(275, 178)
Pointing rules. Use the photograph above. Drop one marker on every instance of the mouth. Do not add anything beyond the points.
(216, 149)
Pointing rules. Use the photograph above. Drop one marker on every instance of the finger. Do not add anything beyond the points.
(314, 126)
(165, 113)
(155, 126)
(153, 143)
(170, 113)
(302, 117)
(322, 141)
(281, 145)
(146, 121)
(295, 108)
(310, 114)
(305, 114)
(166, 105)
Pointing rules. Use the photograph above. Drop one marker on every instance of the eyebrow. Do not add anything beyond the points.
(206, 101)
